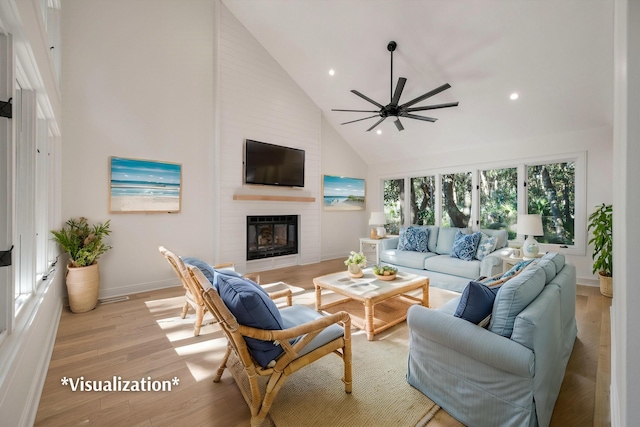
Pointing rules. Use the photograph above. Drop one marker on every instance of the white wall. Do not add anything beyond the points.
(138, 82)
(341, 230)
(258, 100)
(597, 144)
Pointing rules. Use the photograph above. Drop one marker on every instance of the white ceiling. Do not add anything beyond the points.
(557, 54)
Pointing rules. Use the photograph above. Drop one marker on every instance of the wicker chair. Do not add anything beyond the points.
(247, 372)
(193, 295)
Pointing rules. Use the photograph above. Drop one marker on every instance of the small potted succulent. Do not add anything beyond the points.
(355, 263)
(85, 244)
(601, 225)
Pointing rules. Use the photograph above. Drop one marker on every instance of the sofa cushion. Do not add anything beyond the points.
(251, 306)
(549, 268)
(413, 239)
(410, 259)
(465, 245)
(446, 236)
(457, 267)
(486, 245)
(512, 297)
(476, 302)
(433, 235)
(557, 258)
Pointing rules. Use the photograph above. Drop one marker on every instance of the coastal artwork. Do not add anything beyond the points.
(343, 194)
(144, 186)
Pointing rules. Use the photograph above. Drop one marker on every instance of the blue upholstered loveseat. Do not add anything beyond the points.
(510, 372)
(433, 257)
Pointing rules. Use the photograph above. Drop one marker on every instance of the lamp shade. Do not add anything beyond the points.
(377, 218)
(530, 225)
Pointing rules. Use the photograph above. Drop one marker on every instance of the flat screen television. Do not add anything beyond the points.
(269, 164)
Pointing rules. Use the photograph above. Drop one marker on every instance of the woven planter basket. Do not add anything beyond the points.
(606, 285)
(83, 286)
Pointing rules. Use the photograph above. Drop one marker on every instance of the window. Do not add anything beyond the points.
(553, 186)
(499, 199)
(394, 204)
(423, 199)
(456, 200)
(551, 193)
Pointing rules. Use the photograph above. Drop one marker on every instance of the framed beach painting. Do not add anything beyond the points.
(343, 194)
(144, 186)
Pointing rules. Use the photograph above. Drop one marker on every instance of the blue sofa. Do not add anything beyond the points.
(509, 373)
(443, 270)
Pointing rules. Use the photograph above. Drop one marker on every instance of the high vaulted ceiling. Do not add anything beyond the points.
(556, 54)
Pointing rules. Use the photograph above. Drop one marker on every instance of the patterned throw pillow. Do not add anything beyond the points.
(486, 246)
(413, 239)
(465, 245)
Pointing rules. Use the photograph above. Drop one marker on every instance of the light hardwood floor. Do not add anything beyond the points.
(144, 337)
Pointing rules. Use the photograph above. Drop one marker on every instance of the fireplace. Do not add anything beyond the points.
(271, 236)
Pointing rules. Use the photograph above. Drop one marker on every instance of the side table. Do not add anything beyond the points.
(373, 244)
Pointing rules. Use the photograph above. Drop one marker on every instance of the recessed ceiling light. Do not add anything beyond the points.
(332, 72)
(379, 132)
(514, 96)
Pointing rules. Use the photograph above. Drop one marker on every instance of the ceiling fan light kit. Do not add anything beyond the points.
(403, 110)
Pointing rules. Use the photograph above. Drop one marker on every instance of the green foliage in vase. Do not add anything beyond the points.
(356, 258)
(83, 242)
(601, 224)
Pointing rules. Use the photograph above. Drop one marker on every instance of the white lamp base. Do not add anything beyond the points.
(530, 248)
(381, 231)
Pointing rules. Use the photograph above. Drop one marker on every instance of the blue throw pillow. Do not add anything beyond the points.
(209, 272)
(476, 302)
(251, 306)
(465, 245)
(413, 239)
(486, 246)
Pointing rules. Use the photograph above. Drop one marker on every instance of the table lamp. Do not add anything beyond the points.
(378, 220)
(530, 225)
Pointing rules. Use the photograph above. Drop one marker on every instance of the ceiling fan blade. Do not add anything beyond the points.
(353, 121)
(356, 111)
(378, 122)
(368, 99)
(426, 95)
(413, 116)
(433, 107)
(399, 125)
(398, 92)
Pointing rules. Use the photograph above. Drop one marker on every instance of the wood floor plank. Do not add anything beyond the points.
(145, 337)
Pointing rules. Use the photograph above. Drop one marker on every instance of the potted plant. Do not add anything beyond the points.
(355, 263)
(601, 224)
(85, 245)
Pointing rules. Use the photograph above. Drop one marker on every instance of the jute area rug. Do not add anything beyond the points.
(314, 396)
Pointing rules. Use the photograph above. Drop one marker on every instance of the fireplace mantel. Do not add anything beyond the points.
(274, 195)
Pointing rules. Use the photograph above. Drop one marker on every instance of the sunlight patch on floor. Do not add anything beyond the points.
(206, 346)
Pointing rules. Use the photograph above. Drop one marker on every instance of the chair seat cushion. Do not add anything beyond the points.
(297, 315)
(251, 306)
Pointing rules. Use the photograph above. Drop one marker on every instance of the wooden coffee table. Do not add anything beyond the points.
(369, 291)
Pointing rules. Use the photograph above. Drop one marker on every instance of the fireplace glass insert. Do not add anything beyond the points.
(271, 236)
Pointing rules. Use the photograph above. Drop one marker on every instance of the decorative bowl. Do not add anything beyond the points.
(386, 278)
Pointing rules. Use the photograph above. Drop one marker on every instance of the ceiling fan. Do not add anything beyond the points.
(403, 110)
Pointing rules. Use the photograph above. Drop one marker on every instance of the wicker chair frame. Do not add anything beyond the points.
(193, 297)
(247, 377)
